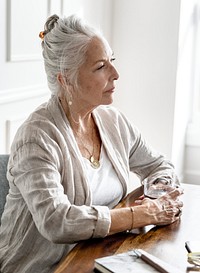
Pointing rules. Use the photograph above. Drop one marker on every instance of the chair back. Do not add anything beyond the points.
(4, 185)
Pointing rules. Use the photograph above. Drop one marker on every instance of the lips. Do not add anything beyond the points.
(111, 89)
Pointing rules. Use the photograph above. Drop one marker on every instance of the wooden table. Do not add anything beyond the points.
(165, 242)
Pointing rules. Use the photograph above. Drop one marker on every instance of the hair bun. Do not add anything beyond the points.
(50, 23)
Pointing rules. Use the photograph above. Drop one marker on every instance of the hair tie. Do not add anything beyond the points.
(42, 34)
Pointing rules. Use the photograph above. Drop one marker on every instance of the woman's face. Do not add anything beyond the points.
(97, 76)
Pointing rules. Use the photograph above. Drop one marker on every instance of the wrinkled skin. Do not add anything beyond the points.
(161, 211)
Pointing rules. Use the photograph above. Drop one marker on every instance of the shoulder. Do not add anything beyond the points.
(112, 116)
(113, 121)
(110, 112)
(38, 129)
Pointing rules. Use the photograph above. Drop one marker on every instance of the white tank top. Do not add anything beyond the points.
(105, 185)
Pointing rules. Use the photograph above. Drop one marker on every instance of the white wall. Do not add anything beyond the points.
(157, 45)
(188, 91)
(145, 41)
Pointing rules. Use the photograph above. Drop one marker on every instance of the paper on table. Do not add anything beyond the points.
(123, 263)
(130, 262)
(157, 263)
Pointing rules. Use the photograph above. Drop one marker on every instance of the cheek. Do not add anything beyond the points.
(93, 86)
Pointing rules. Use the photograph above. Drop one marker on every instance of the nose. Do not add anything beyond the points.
(115, 74)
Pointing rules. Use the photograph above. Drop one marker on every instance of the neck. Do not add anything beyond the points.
(82, 125)
(80, 119)
(85, 132)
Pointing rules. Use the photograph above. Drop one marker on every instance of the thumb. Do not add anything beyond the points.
(138, 202)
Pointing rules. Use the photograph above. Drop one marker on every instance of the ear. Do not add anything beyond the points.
(61, 79)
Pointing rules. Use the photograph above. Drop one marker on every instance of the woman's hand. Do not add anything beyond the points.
(163, 210)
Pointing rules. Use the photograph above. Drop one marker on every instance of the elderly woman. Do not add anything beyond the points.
(70, 161)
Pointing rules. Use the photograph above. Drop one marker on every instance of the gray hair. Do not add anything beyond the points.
(64, 44)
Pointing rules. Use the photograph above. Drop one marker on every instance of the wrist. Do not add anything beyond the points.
(140, 216)
(132, 217)
(121, 220)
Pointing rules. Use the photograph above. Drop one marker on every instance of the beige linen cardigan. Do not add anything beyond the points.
(49, 205)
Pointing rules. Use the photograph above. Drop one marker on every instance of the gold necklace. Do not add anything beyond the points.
(95, 163)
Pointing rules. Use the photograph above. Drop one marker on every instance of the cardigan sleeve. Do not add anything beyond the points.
(146, 162)
(36, 172)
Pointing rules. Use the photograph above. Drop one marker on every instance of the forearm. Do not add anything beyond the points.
(123, 219)
(120, 220)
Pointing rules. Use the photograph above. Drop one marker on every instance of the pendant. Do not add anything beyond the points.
(94, 162)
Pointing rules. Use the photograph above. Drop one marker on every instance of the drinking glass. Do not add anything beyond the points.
(155, 188)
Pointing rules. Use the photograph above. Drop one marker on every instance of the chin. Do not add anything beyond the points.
(108, 102)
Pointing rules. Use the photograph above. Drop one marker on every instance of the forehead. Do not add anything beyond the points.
(98, 49)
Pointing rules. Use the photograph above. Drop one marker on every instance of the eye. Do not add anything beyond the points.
(100, 67)
(104, 64)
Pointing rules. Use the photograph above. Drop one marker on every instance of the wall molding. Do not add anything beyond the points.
(23, 93)
(25, 58)
(12, 125)
(16, 51)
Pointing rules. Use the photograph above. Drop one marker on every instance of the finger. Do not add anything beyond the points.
(170, 217)
(175, 205)
(138, 202)
(174, 212)
(172, 203)
(141, 197)
(167, 219)
(177, 191)
(168, 222)
(179, 212)
(173, 194)
(180, 204)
